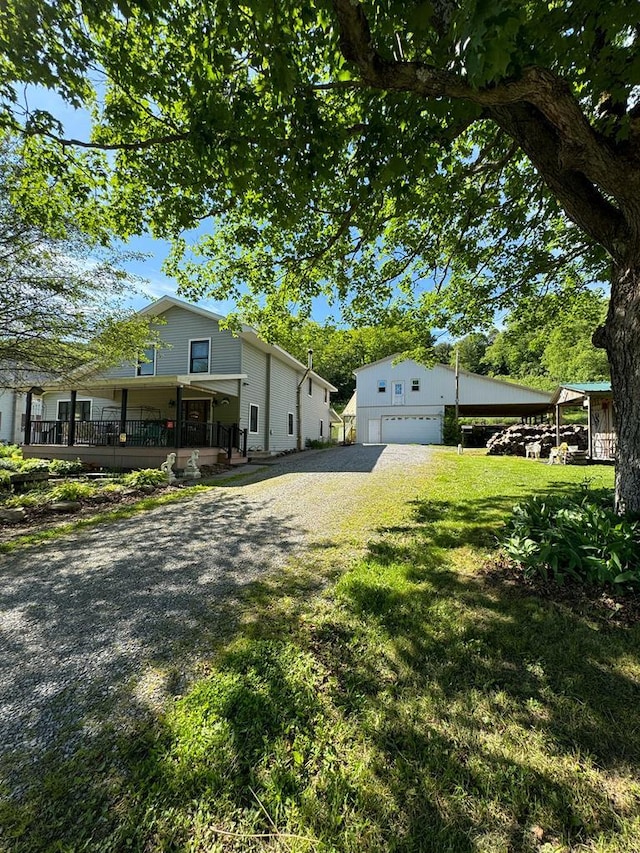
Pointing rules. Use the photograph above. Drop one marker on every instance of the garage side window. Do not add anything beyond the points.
(382, 386)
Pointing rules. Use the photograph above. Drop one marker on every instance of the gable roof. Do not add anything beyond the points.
(162, 305)
(461, 371)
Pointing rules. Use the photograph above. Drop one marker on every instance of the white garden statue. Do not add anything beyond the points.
(167, 467)
(191, 468)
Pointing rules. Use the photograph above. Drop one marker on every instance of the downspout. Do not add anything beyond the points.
(299, 395)
(267, 414)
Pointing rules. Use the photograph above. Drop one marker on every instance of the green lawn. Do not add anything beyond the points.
(414, 704)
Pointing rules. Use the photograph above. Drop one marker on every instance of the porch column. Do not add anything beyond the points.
(71, 438)
(589, 436)
(178, 420)
(558, 410)
(27, 417)
(123, 413)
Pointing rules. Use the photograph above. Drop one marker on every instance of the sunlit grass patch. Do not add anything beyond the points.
(412, 705)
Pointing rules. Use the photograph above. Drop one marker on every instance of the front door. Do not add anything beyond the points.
(195, 410)
(397, 393)
(195, 414)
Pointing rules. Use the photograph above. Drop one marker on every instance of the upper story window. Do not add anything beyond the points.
(199, 356)
(382, 386)
(148, 366)
(415, 384)
(310, 387)
(326, 395)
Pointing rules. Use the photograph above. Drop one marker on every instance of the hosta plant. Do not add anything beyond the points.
(574, 538)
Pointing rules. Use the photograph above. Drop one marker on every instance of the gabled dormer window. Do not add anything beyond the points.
(147, 365)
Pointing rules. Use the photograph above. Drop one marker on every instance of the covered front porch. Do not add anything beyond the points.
(134, 423)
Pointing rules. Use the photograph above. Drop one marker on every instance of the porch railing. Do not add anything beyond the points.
(148, 433)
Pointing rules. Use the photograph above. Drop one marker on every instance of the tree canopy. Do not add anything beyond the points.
(451, 156)
(61, 305)
(548, 342)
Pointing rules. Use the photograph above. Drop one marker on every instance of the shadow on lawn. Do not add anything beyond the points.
(421, 710)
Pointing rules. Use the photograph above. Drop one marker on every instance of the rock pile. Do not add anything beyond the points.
(513, 440)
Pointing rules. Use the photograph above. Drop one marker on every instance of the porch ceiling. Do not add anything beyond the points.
(204, 382)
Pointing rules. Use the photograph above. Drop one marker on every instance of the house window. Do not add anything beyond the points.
(415, 384)
(321, 429)
(199, 356)
(290, 423)
(83, 410)
(382, 386)
(326, 395)
(148, 366)
(253, 418)
(310, 387)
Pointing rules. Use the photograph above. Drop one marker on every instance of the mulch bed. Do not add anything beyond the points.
(621, 610)
(44, 517)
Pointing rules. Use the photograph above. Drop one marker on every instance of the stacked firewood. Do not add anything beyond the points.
(513, 440)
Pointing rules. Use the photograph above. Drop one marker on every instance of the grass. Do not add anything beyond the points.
(412, 705)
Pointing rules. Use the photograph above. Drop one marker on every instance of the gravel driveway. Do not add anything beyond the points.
(83, 617)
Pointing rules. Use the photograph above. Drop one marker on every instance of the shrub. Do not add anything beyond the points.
(145, 477)
(71, 491)
(577, 537)
(65, 467)
(27, 465)
(10, 450)
(7, 464)
(451, 432)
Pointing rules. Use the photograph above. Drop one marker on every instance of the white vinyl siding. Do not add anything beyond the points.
(254, 393)
(181, 327)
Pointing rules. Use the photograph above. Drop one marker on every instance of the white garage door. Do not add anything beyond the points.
(411, 429)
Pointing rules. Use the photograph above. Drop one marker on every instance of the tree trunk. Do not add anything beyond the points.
(620, 336)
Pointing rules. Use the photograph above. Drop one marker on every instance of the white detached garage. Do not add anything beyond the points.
(404, 403)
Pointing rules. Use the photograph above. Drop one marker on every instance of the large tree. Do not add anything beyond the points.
(454, 154)
(62, 301)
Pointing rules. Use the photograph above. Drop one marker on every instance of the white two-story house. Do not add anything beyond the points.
(203, 387)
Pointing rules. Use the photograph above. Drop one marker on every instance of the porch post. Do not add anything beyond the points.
(557, 425)
(123, 412)
(178, 421)
(589, 438)
(71, 438)
(27, 418)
